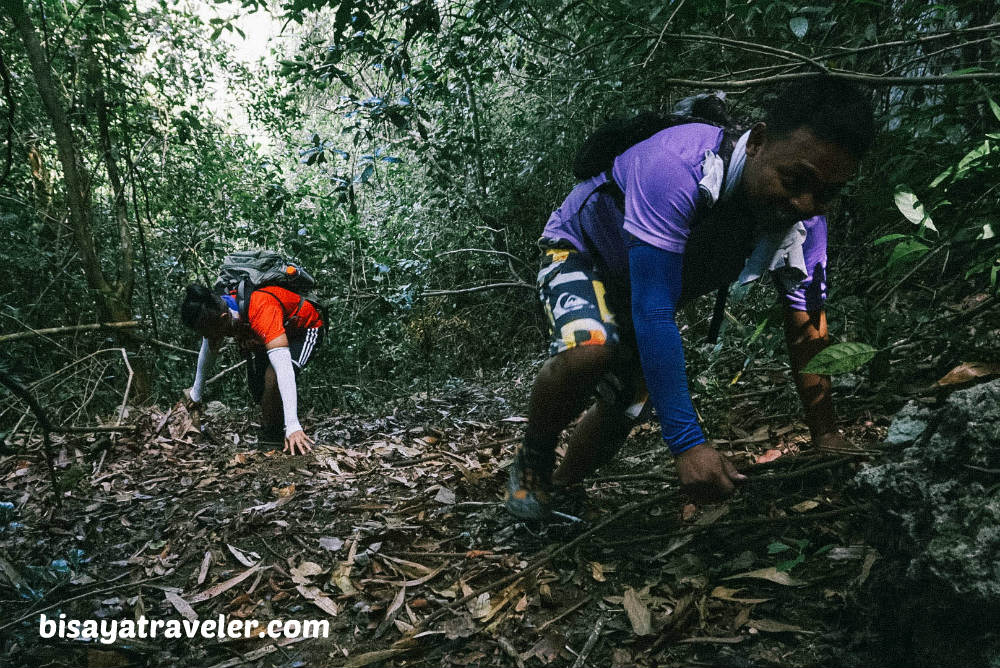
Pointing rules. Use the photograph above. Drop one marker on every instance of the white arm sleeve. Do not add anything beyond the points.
(206, 358)
(281, 360)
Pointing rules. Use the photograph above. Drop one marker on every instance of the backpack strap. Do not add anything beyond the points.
(718, 313)
(611, 187)
(729, 138)
(285, 315)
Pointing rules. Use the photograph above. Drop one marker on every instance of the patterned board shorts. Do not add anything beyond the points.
(581, 311)
(301, 346)
(575, 300)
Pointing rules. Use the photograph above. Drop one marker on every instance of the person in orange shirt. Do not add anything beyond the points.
(279, 333)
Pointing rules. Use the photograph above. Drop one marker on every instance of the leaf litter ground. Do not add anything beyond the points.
(393, 531)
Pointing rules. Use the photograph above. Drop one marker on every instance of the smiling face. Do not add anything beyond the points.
(792, 177)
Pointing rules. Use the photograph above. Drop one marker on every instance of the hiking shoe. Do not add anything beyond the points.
(529, 489)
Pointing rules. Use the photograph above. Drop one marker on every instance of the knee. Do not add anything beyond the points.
(582, 361)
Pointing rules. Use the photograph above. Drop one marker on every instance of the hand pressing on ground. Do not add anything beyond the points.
(706, 475)
(298, 439)
(190, 403)
(193, 408)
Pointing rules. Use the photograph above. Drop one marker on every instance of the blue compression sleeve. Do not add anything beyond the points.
(656, 287)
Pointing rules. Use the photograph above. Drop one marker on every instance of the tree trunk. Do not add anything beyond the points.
(112, 298)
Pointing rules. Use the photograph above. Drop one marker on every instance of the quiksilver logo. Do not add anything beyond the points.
(567, 302)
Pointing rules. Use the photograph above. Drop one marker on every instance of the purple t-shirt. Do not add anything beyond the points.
(659, 177)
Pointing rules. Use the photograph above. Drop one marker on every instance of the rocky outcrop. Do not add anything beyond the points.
(936, 522)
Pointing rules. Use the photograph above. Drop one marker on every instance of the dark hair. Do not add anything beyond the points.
(199, 301)
(835, 110)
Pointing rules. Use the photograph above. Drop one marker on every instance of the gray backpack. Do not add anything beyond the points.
(243, 272)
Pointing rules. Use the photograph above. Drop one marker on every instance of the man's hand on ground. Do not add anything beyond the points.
(193, 408)
(705, 474)
(298, 439)
(832, 441)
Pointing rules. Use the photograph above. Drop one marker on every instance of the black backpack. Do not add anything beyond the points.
(599, 150)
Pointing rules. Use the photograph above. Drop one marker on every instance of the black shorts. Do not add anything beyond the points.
(301, 346)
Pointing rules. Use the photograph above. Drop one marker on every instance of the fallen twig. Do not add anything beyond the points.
(589, 645)
(701, 528)
(548, 555)
(438, 455)
(75, 598)
(69, 329)
(798, 473)
(562, 615)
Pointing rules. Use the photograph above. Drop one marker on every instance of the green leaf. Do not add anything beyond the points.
(972, 157)
(995, 107)
(941, 177)
(823, 550)
(777, 547)
(912, 209)
(786, 566)
(906, 251)
(799, 26)
(889, 237)
(840, 358)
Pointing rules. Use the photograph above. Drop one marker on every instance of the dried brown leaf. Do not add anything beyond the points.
(772, 626)
(772, 574)
(305, 570)
(245, 558)
(638, 613)
(215, 590)
(966, 372)
(547, 649)
(804, 506)
(727, 594)
(318, 598)
(181, 606)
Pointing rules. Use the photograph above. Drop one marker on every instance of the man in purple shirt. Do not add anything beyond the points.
(671, 221)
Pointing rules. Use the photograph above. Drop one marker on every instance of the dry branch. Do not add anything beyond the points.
(69, 329)
(478, 288)
(738, 524)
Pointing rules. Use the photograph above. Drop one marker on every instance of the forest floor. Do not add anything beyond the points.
(392, 529)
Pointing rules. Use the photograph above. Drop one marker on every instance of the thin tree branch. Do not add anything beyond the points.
(873, 80)
(483, 250)
(19, 390)
(927, 56)
(8, 93)
(478, 288)
(69, 329)
(910, 42)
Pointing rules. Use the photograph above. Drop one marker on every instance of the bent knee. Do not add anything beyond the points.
(584, 360)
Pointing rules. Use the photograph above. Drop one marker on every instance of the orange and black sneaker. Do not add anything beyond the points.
(529, 488)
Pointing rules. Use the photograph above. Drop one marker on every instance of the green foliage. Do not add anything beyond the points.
(966, 217)
(798, 548)
(406, 150)
(840, 358)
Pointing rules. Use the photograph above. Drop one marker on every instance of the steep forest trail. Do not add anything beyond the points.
(393, 531)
